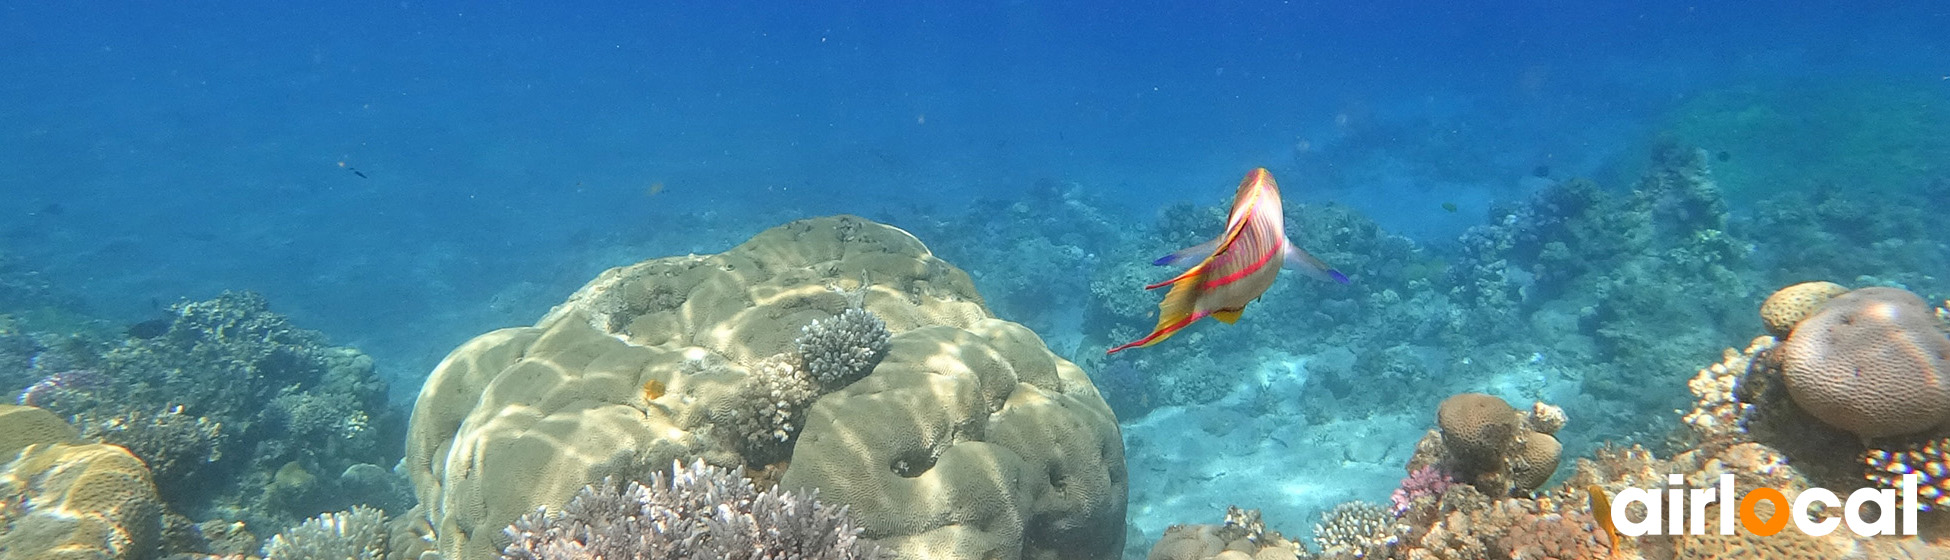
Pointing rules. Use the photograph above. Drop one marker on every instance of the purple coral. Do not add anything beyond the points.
(45, 390)
(1429, 481)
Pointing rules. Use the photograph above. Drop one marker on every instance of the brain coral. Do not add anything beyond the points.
(1477, 427)
(969, 439)
(1792, 304)
(78, 501)
(27, 425)
(1870, 362)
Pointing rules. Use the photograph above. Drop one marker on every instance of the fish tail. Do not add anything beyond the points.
(1174, 314)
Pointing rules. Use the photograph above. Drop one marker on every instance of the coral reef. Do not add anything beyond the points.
(220, 397)
(1241, 537)
(699, 511)
(357, 534)
(969, 435)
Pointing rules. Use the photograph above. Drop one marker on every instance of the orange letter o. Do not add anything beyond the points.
(1752, 521)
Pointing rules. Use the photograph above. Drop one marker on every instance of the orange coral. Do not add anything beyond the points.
(653, 389)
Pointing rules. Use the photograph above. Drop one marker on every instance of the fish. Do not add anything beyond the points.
(1232, 270)
(1601, 510)
(1450, 206)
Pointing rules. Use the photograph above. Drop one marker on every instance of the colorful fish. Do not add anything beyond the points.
(1233, 270)
(1601, 510)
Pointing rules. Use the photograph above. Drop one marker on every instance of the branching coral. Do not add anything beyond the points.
(358, 534)
(700, 511)
(1355, 529)
(844, 348)
(768, 410)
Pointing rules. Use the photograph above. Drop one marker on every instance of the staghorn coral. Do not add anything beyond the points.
(842, 349)
(1355, 529)
(700, 511)
(1871, 362)
(357, 534)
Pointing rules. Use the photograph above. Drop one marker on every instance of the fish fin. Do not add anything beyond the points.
(1175, 313)
(1299, 259)
(1227, 316)
(1190, 254)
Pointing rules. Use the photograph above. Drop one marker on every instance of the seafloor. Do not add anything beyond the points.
(942, 386)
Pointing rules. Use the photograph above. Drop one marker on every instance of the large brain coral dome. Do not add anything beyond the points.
(1871, 362)
(965, 437)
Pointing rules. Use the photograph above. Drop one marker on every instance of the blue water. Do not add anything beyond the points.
(198, 147)
(405, 175)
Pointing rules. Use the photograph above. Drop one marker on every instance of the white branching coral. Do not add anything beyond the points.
(700, 511)
(842, 349)
(359, 534)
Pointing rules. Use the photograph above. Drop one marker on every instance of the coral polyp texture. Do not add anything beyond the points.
(61, 500)
(699, 511)
(968, 439)
(1872, 362)
(1788, 306)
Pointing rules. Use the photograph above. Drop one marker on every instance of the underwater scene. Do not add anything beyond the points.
(1244, 280)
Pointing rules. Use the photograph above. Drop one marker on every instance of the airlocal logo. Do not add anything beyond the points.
(1683, 510)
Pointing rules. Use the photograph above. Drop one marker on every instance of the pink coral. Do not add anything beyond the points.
(1429, 481)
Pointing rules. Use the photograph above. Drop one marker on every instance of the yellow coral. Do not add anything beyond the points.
(1790, 305)
(91, 500)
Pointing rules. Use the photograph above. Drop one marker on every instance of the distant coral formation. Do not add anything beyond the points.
(221, 395)
(695, 511)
